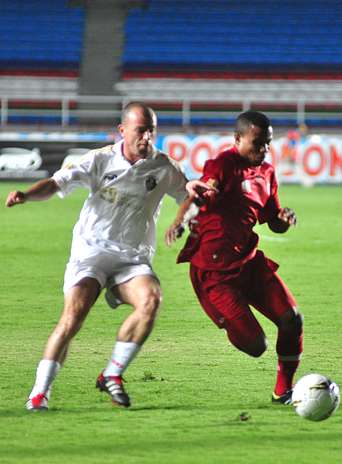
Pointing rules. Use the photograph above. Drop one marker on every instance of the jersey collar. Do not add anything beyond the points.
(149, 156)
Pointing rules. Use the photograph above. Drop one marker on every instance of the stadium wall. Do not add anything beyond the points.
(311, 159)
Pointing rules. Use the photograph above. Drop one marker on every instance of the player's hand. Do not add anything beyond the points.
(288, 216)
(15, 198)
(196, 188)
(173, 232)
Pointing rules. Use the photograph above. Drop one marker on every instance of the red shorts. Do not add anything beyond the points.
(226, 296)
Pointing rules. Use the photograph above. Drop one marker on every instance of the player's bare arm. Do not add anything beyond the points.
(41, 190)
(178, 226)
(285, 219)
(199, 193)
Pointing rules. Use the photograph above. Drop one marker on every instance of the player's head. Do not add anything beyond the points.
(253, 135)
(138, 129)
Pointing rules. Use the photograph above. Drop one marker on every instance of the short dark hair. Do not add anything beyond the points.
(147, 110)
(251, 118)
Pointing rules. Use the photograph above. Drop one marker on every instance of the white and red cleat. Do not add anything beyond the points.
(112, 385)
(37, 403)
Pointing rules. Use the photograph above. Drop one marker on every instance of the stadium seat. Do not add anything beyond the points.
(233, 33)
(215, 49)
(40, 35)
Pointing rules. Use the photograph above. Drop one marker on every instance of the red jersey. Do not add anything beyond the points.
(223, 238)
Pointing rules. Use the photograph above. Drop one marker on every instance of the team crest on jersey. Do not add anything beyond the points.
(246, 186)
(150, 183)
(108, 194)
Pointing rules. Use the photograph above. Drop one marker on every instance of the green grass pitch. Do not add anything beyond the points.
(189, 387)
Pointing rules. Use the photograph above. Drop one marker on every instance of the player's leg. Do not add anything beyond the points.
(246, 334)
(77, 303)
(226, 305)
(289, 349)
(143, 293)
(273, 299)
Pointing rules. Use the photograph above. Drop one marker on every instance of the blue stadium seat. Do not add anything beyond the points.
(35, 33)
(239, 33)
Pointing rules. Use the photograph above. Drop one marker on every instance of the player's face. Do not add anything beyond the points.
(254, 144)
(139, 132)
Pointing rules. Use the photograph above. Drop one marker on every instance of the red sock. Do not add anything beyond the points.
(285, 373)
(289, 349)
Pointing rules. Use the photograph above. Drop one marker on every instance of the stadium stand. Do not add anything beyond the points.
(40, 53)
(198, 62)
(273, 54)
(39, 36)
(270, 36)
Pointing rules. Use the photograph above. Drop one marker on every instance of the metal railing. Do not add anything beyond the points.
(68, 109)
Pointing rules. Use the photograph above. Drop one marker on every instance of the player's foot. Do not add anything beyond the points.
(285, 398)
(113, 386)
(37, 403)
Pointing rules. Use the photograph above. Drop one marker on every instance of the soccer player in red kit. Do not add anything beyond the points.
(228, 272)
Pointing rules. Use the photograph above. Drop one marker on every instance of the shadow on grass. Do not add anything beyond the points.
(95, 410)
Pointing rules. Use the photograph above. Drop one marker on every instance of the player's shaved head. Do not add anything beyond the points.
(146, 111)
(251, 118)
(138, 129)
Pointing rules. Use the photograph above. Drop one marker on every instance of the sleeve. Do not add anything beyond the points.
(80, 174)
(272, 206)
(211, 171)
(177, 182)
(220, 170)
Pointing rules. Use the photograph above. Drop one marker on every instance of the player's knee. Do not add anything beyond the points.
(149, 304)
(292, 321)
(258, 347)
(254, 348)
(70, 322)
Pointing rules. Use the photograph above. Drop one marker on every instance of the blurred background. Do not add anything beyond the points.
(68, 66)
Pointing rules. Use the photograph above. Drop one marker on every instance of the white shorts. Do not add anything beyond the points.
(107, 268)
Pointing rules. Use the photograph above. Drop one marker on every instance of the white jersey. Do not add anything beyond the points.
(121, 210)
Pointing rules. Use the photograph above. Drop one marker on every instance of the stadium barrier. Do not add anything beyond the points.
(308, 160)
(180, 111)
(312, 159)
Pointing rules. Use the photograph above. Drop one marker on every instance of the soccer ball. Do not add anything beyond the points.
(315, 397)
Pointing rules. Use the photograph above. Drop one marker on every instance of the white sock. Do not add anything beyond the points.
(46, 372)
(123, 354)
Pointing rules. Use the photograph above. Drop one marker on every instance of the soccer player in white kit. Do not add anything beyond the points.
(113, 244)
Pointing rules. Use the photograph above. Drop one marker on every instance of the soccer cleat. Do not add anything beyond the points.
(285, 398)
(37, 403)
(113, 386)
